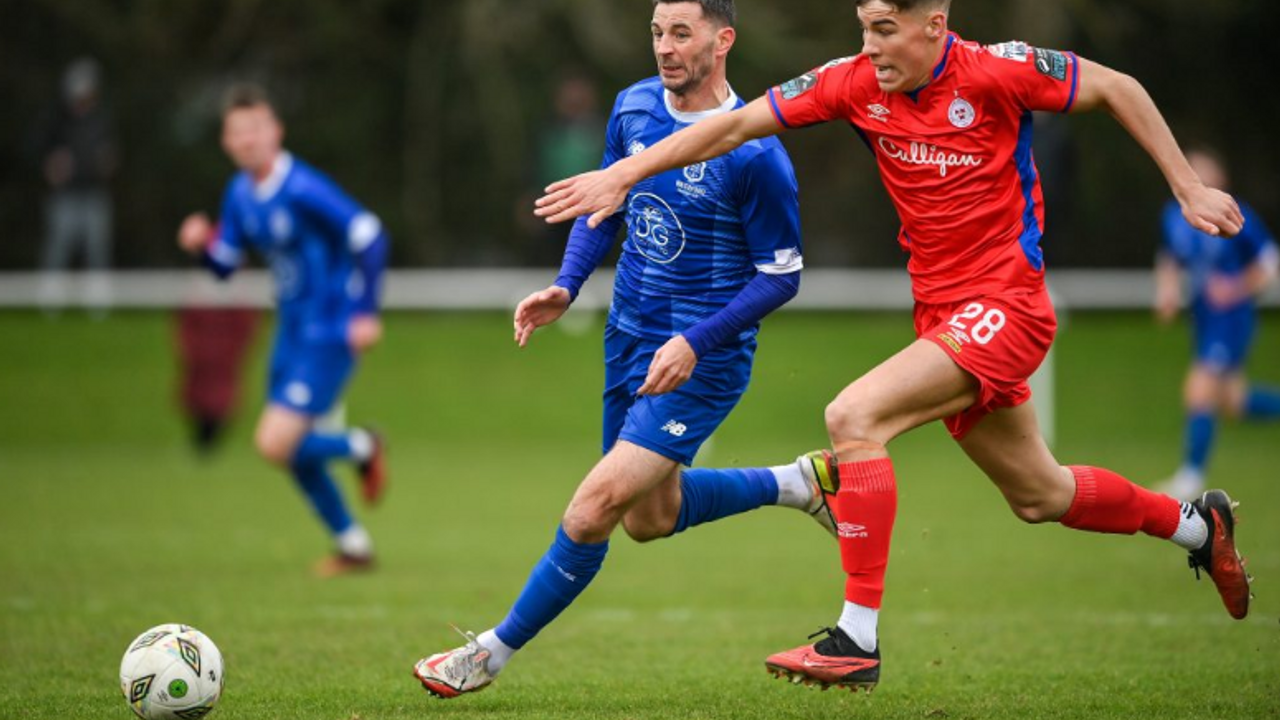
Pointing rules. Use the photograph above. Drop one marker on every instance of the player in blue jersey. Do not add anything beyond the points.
(327, 255)
(1225, 277)
(710, 249)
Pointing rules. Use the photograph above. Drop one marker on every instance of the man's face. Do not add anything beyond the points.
(1210, 171)
(903, 46)
(685, 44)
(251, 137)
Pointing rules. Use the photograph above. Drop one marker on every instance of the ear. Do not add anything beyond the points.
(935, 27)
(725, 37)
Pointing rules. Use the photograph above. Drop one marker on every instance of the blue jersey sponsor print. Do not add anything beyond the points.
(696, 235)
(1221, 335)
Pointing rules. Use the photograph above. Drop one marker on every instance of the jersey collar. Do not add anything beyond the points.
(937, 69)
(692, 117)
(270, 185)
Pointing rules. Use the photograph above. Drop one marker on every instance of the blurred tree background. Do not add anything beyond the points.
(432, 112)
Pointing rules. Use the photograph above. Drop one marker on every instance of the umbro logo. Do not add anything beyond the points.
(851, 530)
(876, 111)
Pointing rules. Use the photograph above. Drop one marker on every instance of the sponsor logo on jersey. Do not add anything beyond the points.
(675, 428)
(876, 111)
(961, 113)
(655, 229)
(1018, 51)
(851, 530)
(635, 148)
(1051, 63)
(924, 154)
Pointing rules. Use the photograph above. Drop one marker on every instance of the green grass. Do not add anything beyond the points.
(109, 525)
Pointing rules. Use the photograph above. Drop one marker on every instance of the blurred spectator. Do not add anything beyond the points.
(213, 342)
(572, 142)
(79, 158)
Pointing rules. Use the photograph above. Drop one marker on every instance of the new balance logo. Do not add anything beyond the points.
(675, 428)
(851, 530)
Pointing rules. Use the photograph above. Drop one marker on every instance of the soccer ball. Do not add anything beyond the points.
(171, 672)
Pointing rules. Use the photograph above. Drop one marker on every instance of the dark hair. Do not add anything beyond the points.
(722, 11)
(909, 5)
(245, 95)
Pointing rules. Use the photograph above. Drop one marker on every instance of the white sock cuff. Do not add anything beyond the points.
(1192, 531)
(355, 541)
(361, 444)
(860, 623)
(499, 652)
(793, 490)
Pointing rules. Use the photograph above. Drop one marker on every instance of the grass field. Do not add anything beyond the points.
(109, 525)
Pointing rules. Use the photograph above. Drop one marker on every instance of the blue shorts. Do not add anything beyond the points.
(308, 377)
(1222, 339)
(674, 424)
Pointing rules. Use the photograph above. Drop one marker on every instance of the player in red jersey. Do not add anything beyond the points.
(949, 123)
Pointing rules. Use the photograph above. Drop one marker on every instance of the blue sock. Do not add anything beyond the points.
(318, 485)
(1263, 403)
(1199, 439)
(556, 581)
(320, 447)
(710, 494)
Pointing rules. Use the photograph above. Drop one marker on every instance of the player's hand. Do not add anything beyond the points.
(671, 367)
(598, 194)
(363, 332)
(541, 308)
(1212, 211)
(195, 233)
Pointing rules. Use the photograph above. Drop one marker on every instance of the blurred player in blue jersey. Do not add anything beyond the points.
(327, 255)
(1225, 277)
(710, 249)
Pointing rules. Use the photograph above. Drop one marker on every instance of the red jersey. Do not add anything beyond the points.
(954, 155)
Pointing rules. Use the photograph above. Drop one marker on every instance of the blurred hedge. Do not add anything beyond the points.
(430, 112)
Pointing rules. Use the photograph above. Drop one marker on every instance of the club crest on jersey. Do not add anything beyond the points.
(961, 113)
(655, 229)
(695, 172)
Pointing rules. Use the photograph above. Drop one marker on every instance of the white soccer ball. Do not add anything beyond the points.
(171, 672)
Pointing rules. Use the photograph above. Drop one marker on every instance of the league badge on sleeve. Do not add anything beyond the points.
(1051, 63)
(794, 88)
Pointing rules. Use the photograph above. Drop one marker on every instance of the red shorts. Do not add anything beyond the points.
(1000, 340)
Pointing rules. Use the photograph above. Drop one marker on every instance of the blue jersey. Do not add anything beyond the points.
(1203, 255)
(696, 235)
(311, 233)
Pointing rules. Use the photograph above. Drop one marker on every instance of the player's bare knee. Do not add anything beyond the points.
(848, 423)
(273, 450)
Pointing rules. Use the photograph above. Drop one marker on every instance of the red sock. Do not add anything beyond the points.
(865, 508)
(1107, 503)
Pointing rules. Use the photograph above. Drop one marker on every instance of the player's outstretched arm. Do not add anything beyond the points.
(540, 308)
(1168, 288)
(1207, 209)
(600, 193)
